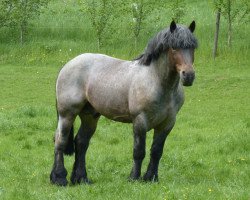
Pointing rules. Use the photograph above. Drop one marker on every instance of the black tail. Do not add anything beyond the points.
(70, 148)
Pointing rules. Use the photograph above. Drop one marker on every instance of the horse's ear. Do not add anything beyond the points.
(172, 26)
(192, 26)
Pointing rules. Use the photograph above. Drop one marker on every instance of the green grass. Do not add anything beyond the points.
(206, 156)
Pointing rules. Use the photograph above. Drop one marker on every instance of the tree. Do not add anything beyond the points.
(138, 17)
(19, 13)
(232, 10)
(5, 10)
(99, 14)
(177, 8)
(216, 34)
(140, 9)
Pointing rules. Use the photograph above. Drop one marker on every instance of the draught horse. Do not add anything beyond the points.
(147, 92)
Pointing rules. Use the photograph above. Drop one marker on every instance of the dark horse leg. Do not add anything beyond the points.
(139, 147)
(87, 129)
(155, 155)
(59, 173)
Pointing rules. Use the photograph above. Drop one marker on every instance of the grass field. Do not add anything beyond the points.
(207, 155)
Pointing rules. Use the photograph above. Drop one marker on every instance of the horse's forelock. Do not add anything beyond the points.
(181, 38)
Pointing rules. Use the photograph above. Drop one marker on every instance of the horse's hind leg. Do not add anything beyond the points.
(86, 130)
(59, 173)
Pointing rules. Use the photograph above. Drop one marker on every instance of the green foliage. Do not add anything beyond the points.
(99, 14)
(138, 16)
(244, 13)
(140, 10)
(206, 156)
(5, 10)
(18, 13)
(178, 9)
(234, 10)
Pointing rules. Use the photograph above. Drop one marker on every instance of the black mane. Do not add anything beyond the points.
(180, 38)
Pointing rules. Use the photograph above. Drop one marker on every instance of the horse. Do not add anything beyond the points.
(147, 92)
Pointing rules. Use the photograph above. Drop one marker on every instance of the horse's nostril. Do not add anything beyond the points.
(183, 73)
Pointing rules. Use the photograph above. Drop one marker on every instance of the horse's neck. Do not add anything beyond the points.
(169, 78)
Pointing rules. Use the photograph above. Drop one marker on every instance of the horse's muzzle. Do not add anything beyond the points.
(187, 78)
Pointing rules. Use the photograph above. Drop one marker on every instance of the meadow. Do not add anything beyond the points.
(206, 156)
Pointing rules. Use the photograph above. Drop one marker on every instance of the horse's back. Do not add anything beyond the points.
(78, 69)
(95, 78)
(108, 87)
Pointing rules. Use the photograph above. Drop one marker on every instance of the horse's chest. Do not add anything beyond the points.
(166, 110)
(162, 113)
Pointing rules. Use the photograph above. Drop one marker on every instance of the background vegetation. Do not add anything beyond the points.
(206, 155)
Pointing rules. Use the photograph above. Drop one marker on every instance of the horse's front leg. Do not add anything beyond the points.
(139, 128)
(59, 173)
(156, 153)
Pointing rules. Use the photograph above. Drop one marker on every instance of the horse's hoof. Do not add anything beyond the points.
(88, 182)
(134, 178)
(60, 182)
(58, 179)
(80, 180)
(150, 178)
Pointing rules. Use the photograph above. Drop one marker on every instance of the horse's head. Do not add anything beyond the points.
(183, 58)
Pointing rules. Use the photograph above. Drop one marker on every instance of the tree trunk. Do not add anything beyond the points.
(98, 43)
(136, 42)
(216, 35)
(23, 31)
(21, 34)
(229, 33)
(229, 39)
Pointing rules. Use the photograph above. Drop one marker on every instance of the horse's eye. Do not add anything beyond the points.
(174, 50)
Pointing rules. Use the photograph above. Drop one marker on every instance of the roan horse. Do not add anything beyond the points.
(147, 92)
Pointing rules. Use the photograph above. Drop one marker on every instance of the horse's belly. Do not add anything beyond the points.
(114, 113)
(110, 105)
(119, 118)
